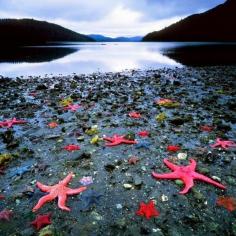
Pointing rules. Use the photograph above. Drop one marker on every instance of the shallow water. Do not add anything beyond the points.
(111, 57)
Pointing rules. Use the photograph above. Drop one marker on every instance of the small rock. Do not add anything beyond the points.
(164, 198)
(127, 186)
(182, 156)
(137, 180)
(119, 206)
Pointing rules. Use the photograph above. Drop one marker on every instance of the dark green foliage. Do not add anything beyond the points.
(33, 32)
(217, 24)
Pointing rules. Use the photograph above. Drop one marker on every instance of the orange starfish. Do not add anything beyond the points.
(227, 202)
(52, 125)
(59, 190)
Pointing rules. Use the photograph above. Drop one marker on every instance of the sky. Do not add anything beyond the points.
(108, 17)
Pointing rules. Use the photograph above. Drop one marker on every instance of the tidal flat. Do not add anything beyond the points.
(204, 109)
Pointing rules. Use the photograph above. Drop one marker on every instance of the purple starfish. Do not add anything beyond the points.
(10, 123)
(225, 144)
(187, 174)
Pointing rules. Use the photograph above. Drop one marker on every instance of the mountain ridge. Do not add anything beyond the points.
(21, 32)
(216, 24)
(102, 38)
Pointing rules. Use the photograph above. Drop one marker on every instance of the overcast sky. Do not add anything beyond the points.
(107, 17)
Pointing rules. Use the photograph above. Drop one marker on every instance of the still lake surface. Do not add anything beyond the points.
(79, 58)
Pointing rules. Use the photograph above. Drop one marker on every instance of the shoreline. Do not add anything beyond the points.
(205, 96)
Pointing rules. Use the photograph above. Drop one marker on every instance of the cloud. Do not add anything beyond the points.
(110, 17)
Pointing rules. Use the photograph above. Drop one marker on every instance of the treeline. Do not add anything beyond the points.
(33, 32)
(217, 24)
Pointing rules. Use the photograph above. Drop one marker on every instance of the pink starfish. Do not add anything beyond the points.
(187, 174)
(135, 115)
(72, 107)
(72, 147)
(117, 140)
(225, 144)
(59, 190)
(10, 123)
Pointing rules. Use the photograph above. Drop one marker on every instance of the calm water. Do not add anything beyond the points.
(105, 57)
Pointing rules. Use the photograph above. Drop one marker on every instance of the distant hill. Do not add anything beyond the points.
(33, 32)
(101, 38)
(217, 24)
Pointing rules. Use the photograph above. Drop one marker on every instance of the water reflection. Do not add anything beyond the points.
(195, 54)
(33, 54)
(104, 57)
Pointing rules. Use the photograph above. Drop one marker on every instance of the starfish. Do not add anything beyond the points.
(187, 174)
(5, 214)
(91, 197)
(148, 210)
(72, 107)
(42, 220)
(10, 123)
(135, 115)
(117, 140)
(59, 190)
(133, 160)
(228, 202)
(2, 197)
(173, 148)
(168, 103)
(225, 144)
(72, 147)
(206, 128)
(143, 133)
(52, 125)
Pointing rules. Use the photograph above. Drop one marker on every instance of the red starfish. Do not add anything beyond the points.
(1, 197)
(10, 123)
(228, 202)
(135, 115)
(59, 190)
(72, 147)
(42, 220)
(143, 133)
(117, 140)
(225, 144)
(72, 107)
(133, 160)
(148, 210)
(206, 128)
(187, 174)
(173, 148)
(5, 214)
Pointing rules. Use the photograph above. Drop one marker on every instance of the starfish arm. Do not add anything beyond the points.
(170, 165)
(62, 202)
(112, 144)
(171, 175)
(42, 201)
(130, 141)
(75, 191)
(193, 164)
(67, 179)
(188, 185)
(108, 139)
(43, 187)
(208, 180)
